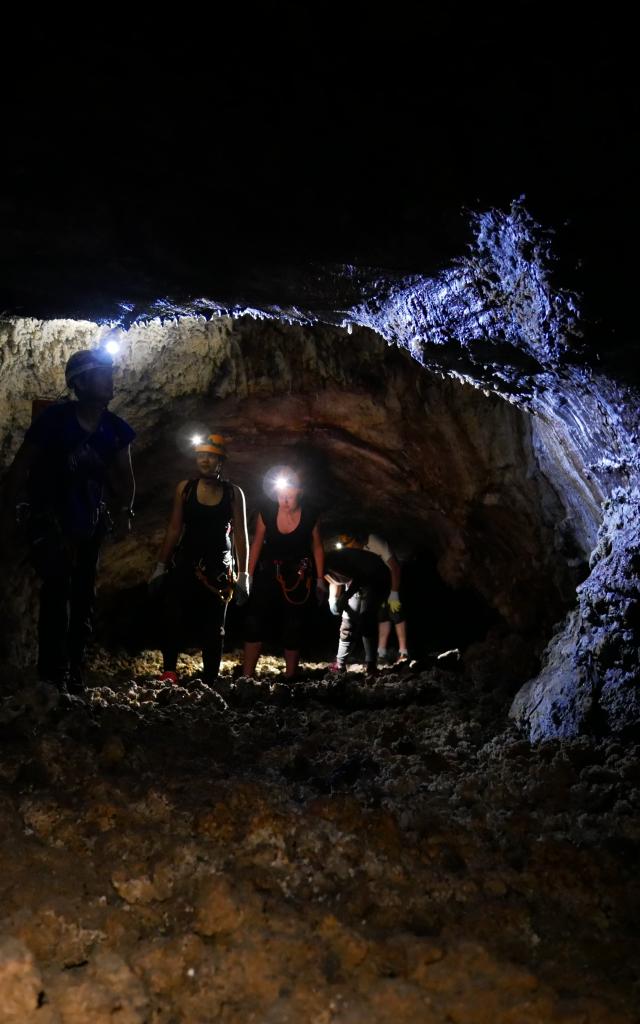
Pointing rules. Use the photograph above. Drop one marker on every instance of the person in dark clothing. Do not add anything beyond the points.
(208, 524)
(286, 564)
(73, 473)
(359, 571)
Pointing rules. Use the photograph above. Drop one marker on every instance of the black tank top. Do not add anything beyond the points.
(207, 529)
(287, 547)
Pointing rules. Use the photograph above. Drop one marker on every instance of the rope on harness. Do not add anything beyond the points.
(224, 592)
(303, 577)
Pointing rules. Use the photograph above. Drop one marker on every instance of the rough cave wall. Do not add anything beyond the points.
(496, 321)
(430, 463)
(493, 321)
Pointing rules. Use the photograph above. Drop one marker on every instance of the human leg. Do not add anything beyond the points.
(53, 628)
(369, 626)
(384, 632)
(291, 661)
(50, 559)
(175, 609)
(401, 632)
(214, 640)
(349, 628)
(82, 604)
(257, 620)
(252, 652)
(296, 620)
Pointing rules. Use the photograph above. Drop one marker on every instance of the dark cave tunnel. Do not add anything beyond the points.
(311, 243)
(459, 416)
(447, 475)
(450, 476)
(401, 829)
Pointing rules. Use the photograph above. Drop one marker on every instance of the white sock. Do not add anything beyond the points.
(382, 652)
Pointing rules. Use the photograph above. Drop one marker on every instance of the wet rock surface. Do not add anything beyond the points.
(337, 850)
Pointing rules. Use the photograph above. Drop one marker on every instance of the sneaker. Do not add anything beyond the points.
(168, 677)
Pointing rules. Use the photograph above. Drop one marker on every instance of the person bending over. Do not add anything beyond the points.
(360, 594)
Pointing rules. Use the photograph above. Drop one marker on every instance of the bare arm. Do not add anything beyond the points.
(174, 528)
(256, 544)
(394, 569)
(240, 534)
(318, 552)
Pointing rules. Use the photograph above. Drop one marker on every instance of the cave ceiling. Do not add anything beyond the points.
(140, 168)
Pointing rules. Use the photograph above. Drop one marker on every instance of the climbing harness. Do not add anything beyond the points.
(223, 585)
(302, 579)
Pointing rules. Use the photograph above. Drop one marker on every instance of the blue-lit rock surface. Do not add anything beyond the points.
(504, 469)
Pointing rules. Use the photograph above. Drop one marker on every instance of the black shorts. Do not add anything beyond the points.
(276, 617)
(386, 615)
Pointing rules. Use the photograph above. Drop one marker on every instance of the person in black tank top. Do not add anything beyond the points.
(286, 563)
(208, 524)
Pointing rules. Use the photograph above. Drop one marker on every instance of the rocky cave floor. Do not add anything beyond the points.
(341, 850)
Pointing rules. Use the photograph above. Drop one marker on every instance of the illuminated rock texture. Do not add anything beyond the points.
(497, 458)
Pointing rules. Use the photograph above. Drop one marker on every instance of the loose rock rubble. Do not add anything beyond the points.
(338, 850)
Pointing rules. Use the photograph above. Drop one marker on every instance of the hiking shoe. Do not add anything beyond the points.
(168, 677)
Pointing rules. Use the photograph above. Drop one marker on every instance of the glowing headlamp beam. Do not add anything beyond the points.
(196, 439)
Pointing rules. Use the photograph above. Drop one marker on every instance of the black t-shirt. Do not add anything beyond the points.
(365, 568)
(287, 547)
(68, 476)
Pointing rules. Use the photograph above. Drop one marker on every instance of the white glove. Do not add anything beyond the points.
(243, 588)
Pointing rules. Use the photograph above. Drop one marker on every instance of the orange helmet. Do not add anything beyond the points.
(213, 443)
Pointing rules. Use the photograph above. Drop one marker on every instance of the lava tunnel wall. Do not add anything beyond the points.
(457, 415)
(434, 465)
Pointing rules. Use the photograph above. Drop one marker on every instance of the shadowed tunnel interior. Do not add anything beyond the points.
(208, 840)
(316, 247)
(447, 474)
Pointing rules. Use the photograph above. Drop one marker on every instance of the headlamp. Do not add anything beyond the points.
(278, 479)
(112, 341)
